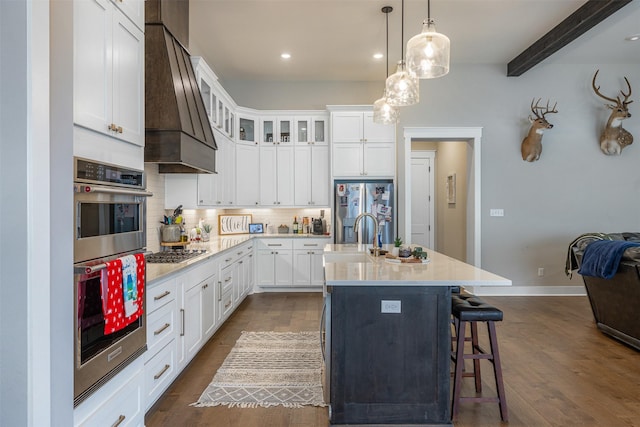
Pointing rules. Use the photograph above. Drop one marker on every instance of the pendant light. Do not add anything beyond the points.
(383, 113)
(402, 86)
(428, 52)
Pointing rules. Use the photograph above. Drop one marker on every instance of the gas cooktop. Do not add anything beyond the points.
(175, 256)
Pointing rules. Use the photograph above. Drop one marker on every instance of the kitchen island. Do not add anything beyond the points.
(387, 335)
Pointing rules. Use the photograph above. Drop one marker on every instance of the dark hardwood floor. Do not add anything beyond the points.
(559, 369)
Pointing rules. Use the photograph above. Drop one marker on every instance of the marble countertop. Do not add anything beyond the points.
(215, 246)
(441, 270)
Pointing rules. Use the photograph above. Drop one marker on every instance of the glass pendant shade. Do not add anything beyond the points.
(383, 113)
(428, 53)
(402, 88)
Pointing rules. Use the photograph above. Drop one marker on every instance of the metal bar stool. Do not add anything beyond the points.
(471, 309)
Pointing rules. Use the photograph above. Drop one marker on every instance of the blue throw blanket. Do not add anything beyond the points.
(601, 258)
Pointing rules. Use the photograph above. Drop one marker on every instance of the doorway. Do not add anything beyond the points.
(472, 136)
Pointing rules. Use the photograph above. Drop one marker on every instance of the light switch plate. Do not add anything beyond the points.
(391, 306)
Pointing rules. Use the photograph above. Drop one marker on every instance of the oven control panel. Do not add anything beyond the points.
(103, 173)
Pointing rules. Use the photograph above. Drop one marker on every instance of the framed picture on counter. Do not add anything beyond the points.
(233, 224)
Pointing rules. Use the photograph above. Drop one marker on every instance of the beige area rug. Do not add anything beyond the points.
(269, 369)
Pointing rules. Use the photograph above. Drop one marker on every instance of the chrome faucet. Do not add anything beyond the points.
(376, 248)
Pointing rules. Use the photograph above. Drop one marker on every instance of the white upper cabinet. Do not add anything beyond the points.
(276, 175)
(247, 167)
(247, 129)
(312, 175)
(276, 130)
(358, 126)
(310, 130)
(108, 71)
(361, 148)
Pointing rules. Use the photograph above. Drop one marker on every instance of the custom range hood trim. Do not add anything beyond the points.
(178, 134)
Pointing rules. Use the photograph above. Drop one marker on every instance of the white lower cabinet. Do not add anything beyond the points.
(120, 402)
(275, 262)
(308, 270)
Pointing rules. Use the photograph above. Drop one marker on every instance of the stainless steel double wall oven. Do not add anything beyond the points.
(109, 222)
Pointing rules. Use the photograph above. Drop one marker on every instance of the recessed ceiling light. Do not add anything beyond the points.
(285, 56)
(378, 56)
(633, 37)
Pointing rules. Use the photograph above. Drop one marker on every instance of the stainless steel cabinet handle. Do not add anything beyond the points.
(182, 313)
(315, 245)
(227, 279)
(219, 291)
(162, 371)
(228, 259)
(119, 421)
(274, 244)
(162, 295)
(240, 253)
(159, 331)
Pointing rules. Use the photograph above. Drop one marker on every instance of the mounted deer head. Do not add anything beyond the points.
(532, 143)
(613, 138)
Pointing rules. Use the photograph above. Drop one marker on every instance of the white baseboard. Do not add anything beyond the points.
(529, 290)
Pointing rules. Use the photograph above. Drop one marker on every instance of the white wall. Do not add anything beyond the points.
(572, 189)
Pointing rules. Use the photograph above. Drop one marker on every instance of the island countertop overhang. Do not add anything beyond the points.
(365, 270)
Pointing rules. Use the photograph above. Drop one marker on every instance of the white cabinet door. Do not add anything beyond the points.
(193, 337)
(379, 159)
(285, 175)
(266, 267)
(108, 71)
(347, 126)
(207, 189)
(229, 177)
(320, 181)
(276, 175)
(247, 167)
(374, 132)
(283, 267)
(316, 277)
(301, 268)
(347, 159)
(268, 182)
(92, 80)
(311, 175)
(128, 80)
(181, 189)
(219, 189)
(208, 306)
(302, 168)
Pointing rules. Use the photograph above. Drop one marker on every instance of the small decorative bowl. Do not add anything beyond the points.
(404, 252)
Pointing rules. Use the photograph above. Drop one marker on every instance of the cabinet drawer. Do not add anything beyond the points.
(310, 244)
(226, 277)
(226, 304)
(123, 407)
(159, 295)
(161, 327)
(228, 257)
(243, 250)
(159, 372)
(277, 243)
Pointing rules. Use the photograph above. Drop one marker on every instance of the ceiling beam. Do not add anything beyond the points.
(579, 22)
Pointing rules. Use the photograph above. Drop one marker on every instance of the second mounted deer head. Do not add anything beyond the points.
(532, 143)
(613, 138)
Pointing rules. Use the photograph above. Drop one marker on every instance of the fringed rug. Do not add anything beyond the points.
(269, 369)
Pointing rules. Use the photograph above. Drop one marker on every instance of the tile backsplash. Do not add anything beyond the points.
(271, 218)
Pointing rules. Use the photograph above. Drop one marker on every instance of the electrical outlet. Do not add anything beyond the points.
(391, 306)
(541, 271)
(496, 212)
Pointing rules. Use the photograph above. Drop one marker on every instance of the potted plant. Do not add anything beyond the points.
(396, 249)
(207, 230)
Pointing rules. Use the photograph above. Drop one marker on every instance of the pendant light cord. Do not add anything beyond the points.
(387, 54)
(428, 10)
(402, 38)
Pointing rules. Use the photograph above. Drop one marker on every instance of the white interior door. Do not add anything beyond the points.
(422, 202)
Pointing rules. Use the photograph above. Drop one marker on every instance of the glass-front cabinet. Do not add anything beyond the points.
(303, 130)
(277, 130)
(247, 129)
(319, 130)
(310, 130)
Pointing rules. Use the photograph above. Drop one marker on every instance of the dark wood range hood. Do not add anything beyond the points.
(178, 133)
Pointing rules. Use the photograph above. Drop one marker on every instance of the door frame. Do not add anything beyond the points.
(431, 155)
(473, 137)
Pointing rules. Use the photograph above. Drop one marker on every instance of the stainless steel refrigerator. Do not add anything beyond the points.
(353, 198)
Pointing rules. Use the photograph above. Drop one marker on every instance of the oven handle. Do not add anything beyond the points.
(100, 189)
(88, 269)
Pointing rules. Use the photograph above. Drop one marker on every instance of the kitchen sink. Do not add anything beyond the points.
(347, 257)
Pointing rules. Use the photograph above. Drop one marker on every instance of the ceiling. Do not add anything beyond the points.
(336, 39)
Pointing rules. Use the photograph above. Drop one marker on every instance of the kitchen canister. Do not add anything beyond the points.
(170, 233)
